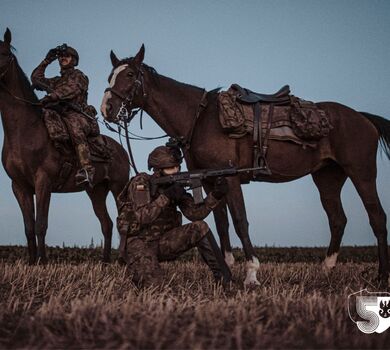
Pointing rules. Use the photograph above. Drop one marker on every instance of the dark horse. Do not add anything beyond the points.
(349, 151)
(34, 165)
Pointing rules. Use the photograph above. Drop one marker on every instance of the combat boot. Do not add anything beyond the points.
(87, 171)
(212, 256)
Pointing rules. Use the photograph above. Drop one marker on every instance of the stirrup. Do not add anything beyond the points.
(85, 179)
(263, 168)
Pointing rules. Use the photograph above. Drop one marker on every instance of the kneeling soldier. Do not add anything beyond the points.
(151, 227)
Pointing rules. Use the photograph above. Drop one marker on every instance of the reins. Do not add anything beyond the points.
(201, 106)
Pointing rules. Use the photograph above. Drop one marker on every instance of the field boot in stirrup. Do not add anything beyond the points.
(87, 171)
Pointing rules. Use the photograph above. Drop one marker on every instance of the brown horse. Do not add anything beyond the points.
(349, 151)
(34, 165)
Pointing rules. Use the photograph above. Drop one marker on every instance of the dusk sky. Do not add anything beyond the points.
(326, 50)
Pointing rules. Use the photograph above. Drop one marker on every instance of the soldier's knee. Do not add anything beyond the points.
(201, 228)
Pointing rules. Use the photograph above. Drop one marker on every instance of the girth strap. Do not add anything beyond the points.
(260, 146)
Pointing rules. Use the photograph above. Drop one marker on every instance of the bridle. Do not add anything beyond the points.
(127, 101)
(125, 117)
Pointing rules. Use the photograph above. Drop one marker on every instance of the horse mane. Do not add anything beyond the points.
(155, 75)
(27, 90)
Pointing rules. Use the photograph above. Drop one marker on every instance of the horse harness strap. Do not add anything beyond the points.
(201, 106)
(260, 145)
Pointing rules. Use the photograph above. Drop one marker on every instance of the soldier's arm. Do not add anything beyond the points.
(77, 84)
(38, 77)
(146, 210)
(148, 213)
(194, 212)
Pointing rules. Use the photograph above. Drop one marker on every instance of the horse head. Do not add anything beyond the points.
(6, 55)
(126, 90)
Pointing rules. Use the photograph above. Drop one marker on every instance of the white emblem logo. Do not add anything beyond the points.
(370, 311)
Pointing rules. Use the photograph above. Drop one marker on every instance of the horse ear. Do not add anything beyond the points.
(139, 57)
(7, 37)
(114, 60)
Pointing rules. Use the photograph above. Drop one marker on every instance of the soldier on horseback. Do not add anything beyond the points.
(66, 103)
(151, 227)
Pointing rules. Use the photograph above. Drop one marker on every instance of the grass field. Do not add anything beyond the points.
(77, 302)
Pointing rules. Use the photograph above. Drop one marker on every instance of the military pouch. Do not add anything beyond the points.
(308, 121)
(127, 223)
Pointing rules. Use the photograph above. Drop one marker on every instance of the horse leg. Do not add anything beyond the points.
(25, 199)
(222, 225)
(98, 197)
(116, 188)
(365, 182)
(42, 197)
(329, 181)
(236, 204)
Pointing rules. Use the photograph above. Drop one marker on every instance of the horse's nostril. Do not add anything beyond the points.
(109, 107)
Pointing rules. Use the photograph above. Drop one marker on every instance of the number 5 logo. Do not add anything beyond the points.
(372, 308)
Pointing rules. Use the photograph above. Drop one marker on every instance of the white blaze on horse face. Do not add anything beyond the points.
(107, 94)
(229, 258)
(251, 268)
(330, 261)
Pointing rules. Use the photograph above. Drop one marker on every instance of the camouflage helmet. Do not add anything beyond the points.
(68, 50)
(164, 157)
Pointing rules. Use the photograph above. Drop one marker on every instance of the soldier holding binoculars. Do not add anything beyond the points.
(70, 88)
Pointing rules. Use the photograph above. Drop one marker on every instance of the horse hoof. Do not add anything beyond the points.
(329, 263)
(327, 270)
(252, 286)
(251, 283)
(229, 259)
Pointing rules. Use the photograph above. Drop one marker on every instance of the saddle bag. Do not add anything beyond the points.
(308, 121)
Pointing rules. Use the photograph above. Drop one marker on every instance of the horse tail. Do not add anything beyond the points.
(383, 127)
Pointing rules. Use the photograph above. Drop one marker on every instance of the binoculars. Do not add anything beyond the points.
(61, 50)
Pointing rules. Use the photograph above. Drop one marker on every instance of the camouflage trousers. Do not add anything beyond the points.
(143, 255)
(72, 125)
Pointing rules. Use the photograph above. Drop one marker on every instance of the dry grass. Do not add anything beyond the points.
(90, 305)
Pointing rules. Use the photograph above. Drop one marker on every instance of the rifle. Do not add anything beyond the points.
(193, 179)
(73, 106)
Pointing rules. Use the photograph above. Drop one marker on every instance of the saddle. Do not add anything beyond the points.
(247, 96)
(279, 116)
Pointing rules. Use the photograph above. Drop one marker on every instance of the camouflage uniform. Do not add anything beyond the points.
(71, 86)
(154, 232)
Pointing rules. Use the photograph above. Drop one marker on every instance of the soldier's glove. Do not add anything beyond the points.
(221, 187)
(51, 55)
(174, 192)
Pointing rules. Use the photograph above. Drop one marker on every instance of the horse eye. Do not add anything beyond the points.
(130, 74)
